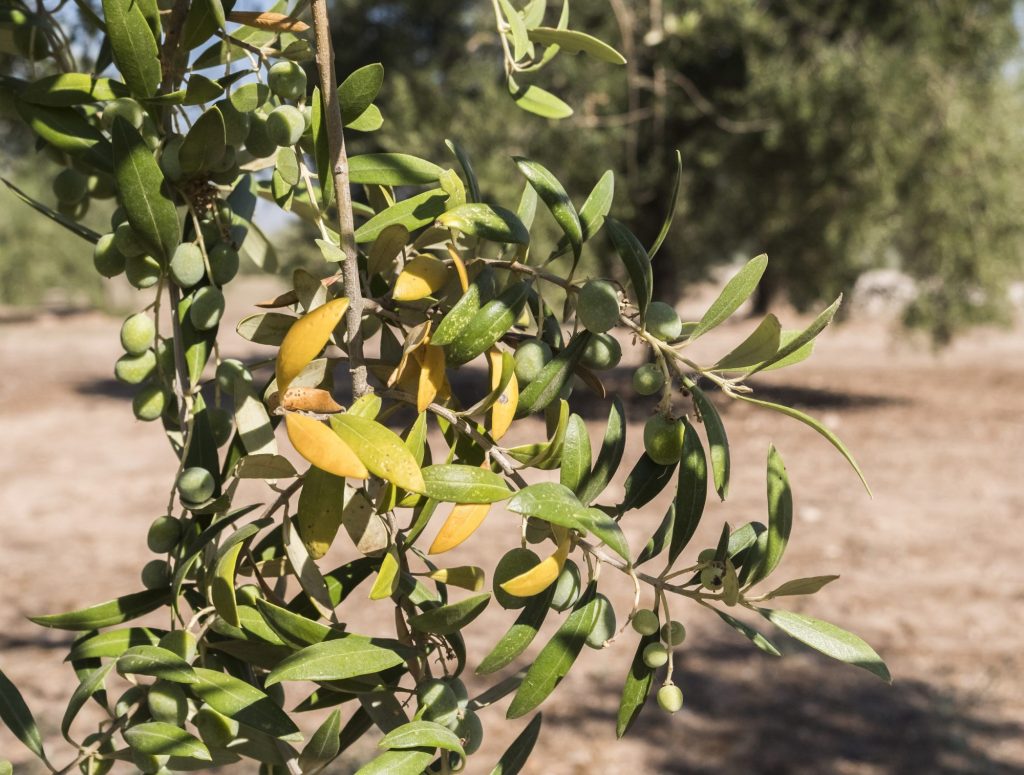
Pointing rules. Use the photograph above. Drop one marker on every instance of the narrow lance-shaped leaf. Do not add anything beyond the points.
(324, 745)
(382, 451)
(451, 618)
(159, 738)
(553, 194)
(577, 43)
(670, 210)
(467, 169)
(547, 385)
(636, 688)
(392, 169)
(780, 516)
(358, 91)
(749, 633)
(133, 45)
(807, 586)
(335, 660)
(514, 758)
(115, 611)
(538, 101)
(18, 718)
(520, 635)
(636, 261)
(759, 347)
(576, 453)
(458, 483)
(691, 491)
(805, 337)
(718, 441)
(422, 734)
(488, 222)
(91, 684)
(735, 292)
(610, 456)
(412, 213)
(830, 640)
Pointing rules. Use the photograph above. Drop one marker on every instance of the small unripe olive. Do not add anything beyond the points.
(149, 403)
(648, 379)
(70, 186)
(74, 210)
(123, 107)
(285, 125)
(471, 732)
(196, 485)
(670, 698)
(602, 352)
(713, 576)
(101, 186)
(223, 263)
(531, 356)
(512, 564)
(156, 574)
(150, 764)
(104, 745)
(207, 308)
(107, 259)
(461, 693)
(673, 633)
(167, 703)
(437, 701)
(645, 622)
(229, 370)
(655, 655)
(180, 642)
(236, 123)
(127, 240)
(134, 369)
(605, 626)
(706, 555)
(142, 271)
(598, 306)
(258, 141)
(133, 695)
(663, 439)
(537, 530)
(164, 534)
(287, 80)
(567, 587)
(220, 424)
(187, 267)
(662, 321)
(170, 162)
(138, 333)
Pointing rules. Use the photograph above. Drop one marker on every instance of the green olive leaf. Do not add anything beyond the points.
(791, 346)
(412, 213)
(670, 211)
(335, 660)
(520, 635)
(324, 745)
(358, 91)
(515, 756)
(161, 739)
(577, 43)
(718, 441)
(691, 491)
(547, 385)
(735, 292)
(422, 734)
(133, 46)
(121, 609)
(18, 718)
(458, 483)
(758, 348)
(830, 640)
(575, 467)
(451, 618)
(636, 261)
(553, 194)
(540, 102)
(488, 222)
(749, 633)
(157, 662)
(392, 169)
(243, 702)
(610, 456)
(638, 684)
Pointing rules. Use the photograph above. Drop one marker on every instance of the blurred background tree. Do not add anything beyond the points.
(835, 136)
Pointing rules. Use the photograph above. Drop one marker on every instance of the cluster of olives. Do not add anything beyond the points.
(655, 655)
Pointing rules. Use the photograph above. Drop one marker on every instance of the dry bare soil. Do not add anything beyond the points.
(931, 571)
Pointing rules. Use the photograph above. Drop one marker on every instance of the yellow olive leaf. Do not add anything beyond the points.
(381, 450)
(542, 575)
(308, 399)
(432, 377)
(305, 339)
(386, 583)
(267, 20)
(323, 448)
(465, 576)
(462, 522)
(423, 276)
(460, 267)
(503, 410)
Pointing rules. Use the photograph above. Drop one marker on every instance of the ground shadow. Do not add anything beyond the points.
(796, 716)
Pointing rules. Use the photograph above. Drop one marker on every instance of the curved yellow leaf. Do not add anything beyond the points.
(462, 522)
(465, 576)
(305, 339)
(431, 360)
(307, 399)
(382, 450)
(323, 448)
(422, 276)
(542, 575)
(503, 410)
(460, 267)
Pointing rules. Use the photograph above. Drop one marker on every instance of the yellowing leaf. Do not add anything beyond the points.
(386, 583)
(460, 268)
(381, 450)
(308, 399)
(422, 277)
(323, 448)
(504, 408)
(543, 574)
(462, 522)
(432, 378)
(267, 20)
(305, 339)
(466, 576)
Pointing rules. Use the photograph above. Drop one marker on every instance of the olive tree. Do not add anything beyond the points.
(188, 117)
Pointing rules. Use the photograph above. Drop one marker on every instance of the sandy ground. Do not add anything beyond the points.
(930, 566)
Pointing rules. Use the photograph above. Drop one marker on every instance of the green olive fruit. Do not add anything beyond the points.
(220, 424)
(107, 259)
(662, 321)
(605, 626)
(663, 439)
(127, 240)
(149, 403)
(123, 107)
(285, 125)
(196, 485)
(150, 764)
(648, 379)
(215, 729)
(164, 534)
(156, 574)
(602, 352)
(537, 530)
(713, 576)
(101, 186)
(223, 263)
(646, 622)
(187, 267)
(287, 80)
(258, 141)
(138, 333)
(706, 555)
(142, 271)
(74, 210)
(229, 370)
(437, 701)
(118, 217)
(103, 745)
(673, 633)
(236, 123)
(70, 186)
(167, 703)
(598, 306)
(670, 698)
(134, 695)
(170, 161)
(531, 356)
(207, 308)
(471, 732)
(135, 369)
(655, 655)
(248, 594)
(567, 587)
(509, 566)
(165, 356)
(461, 693)
(180, 642)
